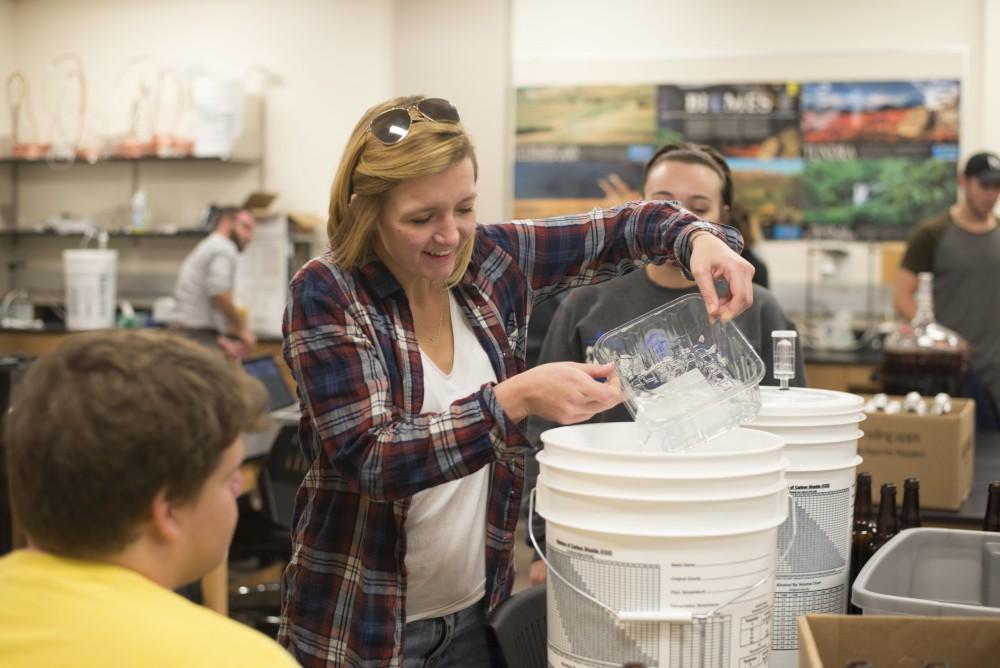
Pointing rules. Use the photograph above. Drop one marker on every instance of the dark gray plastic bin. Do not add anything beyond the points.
(935, 572)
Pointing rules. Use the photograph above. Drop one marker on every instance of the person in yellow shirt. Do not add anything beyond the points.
(124, 451)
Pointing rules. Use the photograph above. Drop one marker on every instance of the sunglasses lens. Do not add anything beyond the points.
(391, 126)
(437, 109)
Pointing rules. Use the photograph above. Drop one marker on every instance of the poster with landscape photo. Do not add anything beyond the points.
(879, 156)
(581, 147)
(758, 121)
(770, 192)
(874, 198)
(586, 115)
(878, 119)
(846, 160)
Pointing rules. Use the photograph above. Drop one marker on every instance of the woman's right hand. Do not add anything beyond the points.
(561, 392)
(537, 572)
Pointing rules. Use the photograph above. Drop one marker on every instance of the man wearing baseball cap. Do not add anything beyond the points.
(961, 247)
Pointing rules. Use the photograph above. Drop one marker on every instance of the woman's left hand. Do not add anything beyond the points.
(712, 259)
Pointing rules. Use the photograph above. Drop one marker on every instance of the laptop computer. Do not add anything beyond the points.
(265, 369)
(282, 405)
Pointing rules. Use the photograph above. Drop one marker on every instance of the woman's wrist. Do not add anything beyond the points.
(511, 398)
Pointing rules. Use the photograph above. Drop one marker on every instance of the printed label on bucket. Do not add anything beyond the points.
(642, 574)
(812, 579)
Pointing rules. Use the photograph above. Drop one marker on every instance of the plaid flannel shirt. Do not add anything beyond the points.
(350, 343)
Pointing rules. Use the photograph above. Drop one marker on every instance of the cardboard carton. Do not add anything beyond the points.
(259, 203)
(937, 449)
(831, 641)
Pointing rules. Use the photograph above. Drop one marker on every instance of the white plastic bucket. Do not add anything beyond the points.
(812, 578)
(821, 429)
(218, 106)
(660, 558)
(821, 454)
(805, 421)
(800, 401)
(646, 517)
(91, 289)
(840, 431)
(612, 448)
(645, 486)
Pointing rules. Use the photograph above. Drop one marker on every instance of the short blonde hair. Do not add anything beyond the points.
(369, 169)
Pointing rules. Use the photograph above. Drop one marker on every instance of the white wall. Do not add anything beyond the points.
(460, 51)
(7, 46)
(653, 41)
(667, 41)
(991, 74)
(566, 42)
(7, 38)
(332, 60)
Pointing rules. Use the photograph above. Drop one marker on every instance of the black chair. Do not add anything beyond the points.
(262, 533)
(520, 629)
(12, 368)
(264, 536)
(280, 477)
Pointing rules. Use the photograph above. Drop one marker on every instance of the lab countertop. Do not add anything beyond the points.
(864, 356)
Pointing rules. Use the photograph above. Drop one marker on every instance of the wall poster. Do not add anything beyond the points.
(847, 160)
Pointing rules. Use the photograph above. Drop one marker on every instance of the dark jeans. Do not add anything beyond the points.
(458, 640)
(987, 412)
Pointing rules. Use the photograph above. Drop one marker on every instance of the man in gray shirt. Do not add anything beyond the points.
(206, 310)
(961, 247)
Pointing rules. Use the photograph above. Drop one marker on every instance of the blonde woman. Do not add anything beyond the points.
(406, 340)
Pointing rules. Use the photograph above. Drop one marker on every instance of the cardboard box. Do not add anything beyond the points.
(831, 641)
(259, 203)
(937, 449)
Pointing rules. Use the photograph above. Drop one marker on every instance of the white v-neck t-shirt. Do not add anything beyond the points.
(446, 525)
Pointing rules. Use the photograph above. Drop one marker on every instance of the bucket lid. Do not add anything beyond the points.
(819, 438)
(615, 447)
(653, 474)
(620, 441)
(804, 422)
(804, 401)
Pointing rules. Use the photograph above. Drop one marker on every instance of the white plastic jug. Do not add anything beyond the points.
(91, 289)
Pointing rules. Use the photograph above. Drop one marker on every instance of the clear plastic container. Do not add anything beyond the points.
(685, 379)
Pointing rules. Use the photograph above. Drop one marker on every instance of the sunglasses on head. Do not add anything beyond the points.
(392, 125)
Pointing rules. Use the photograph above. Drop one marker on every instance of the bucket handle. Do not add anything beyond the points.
(673, 616)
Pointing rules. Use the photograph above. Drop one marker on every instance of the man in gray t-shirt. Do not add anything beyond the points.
(961, 248)
(206, 310)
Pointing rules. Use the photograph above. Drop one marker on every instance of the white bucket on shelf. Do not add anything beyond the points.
(665, 558)
(90, 281)
(821, 430)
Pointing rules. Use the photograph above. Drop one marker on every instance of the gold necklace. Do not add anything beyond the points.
(440, 327)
